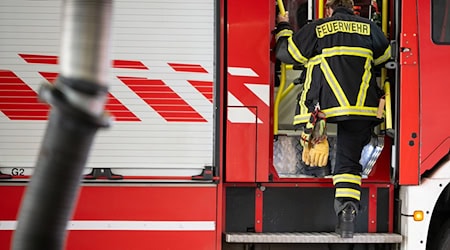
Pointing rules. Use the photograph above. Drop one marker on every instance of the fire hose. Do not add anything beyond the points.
(77, 102)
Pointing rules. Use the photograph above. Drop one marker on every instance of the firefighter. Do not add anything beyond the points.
(340, 53)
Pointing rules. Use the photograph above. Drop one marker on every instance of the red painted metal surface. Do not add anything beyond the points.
(220, 213)
(249, 35)
(409, 134)
(372, 218)
(241, 152)
(131, 203)
(381, 171)
(204, 87)
(50, 59)
(163, 99)
(139, 240)
(18, 100)
(259, 209)
(434, 85)
(219, 147)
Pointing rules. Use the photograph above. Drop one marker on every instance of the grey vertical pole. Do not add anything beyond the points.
(77, 99)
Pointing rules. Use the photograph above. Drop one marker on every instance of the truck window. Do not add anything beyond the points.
(441, 21)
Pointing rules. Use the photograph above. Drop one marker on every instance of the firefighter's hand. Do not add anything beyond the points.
(318, 154)
(283, 18)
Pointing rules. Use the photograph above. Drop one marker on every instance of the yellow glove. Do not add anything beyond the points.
(318, 154)
(305, 155)
(305, 141)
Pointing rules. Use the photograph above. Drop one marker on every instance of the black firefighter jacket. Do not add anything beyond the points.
(339, 54)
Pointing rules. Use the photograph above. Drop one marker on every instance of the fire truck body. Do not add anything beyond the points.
(194, 159)
(161, 97)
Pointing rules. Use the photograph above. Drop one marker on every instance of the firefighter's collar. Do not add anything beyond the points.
(343, 10)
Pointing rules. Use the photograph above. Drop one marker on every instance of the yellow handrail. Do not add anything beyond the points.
(385, 84)
(387, 93)
(282, 81)
(320, 9)
(287, 90)
(281, 94)
(281, 7)
(278, 98)
(384, 16)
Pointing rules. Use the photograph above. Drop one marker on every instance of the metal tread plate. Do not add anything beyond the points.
(311, 238)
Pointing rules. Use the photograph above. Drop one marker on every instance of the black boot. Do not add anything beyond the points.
(347, 220)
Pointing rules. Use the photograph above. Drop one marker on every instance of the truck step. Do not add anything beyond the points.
(311, 238)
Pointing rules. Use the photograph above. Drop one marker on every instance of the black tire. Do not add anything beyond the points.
(444, 239)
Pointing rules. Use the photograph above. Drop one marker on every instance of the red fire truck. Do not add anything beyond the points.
(202, 153)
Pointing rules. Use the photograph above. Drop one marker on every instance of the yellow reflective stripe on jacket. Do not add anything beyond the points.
(347, 51)
(362, 94)
(301, 118)
(334, 84)
(348, 193)
(339, 111)
(351, 110)
(309, 66)
(306, 87)
(295, 52)
(384, 57)
(285, 32)
(349, 178)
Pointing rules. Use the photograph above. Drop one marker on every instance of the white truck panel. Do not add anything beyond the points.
(422, 197)
(156, 34)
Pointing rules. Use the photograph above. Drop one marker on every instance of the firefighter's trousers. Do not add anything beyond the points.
(352, 136)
